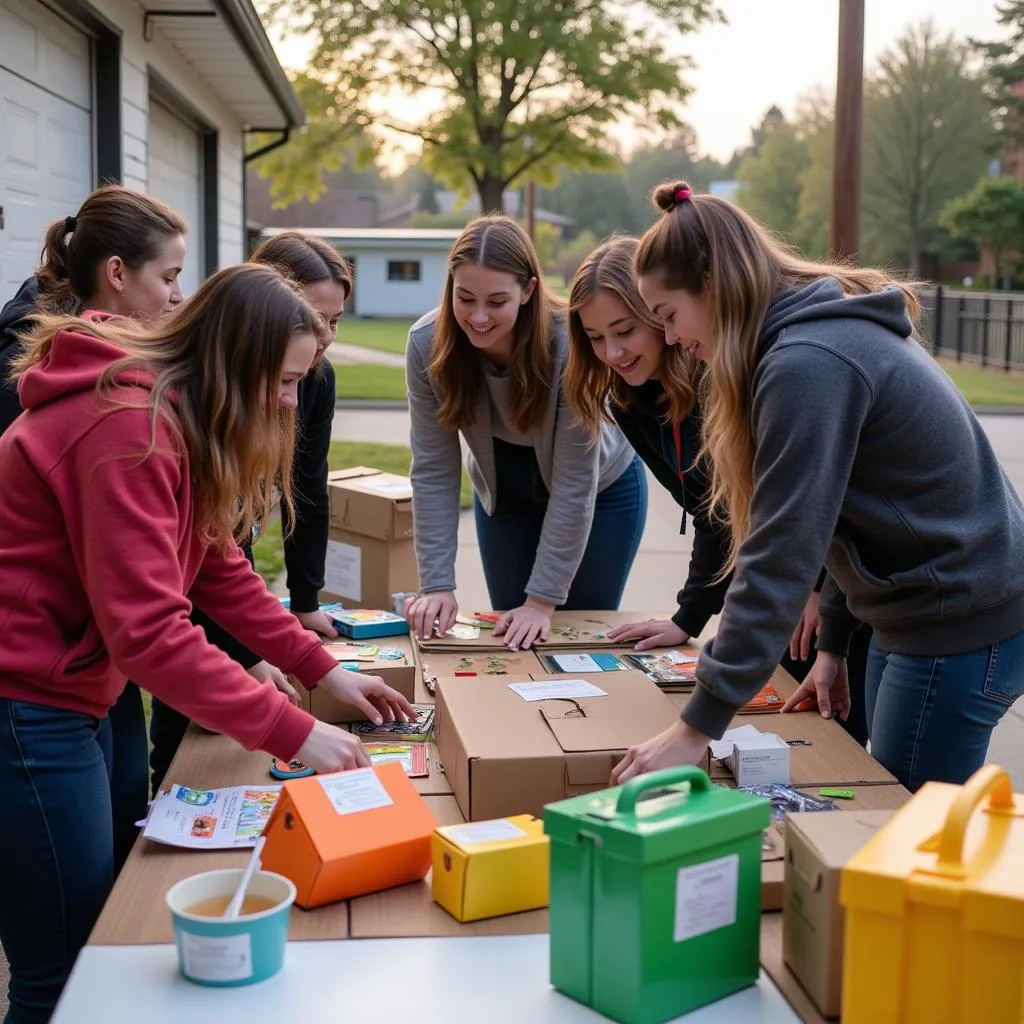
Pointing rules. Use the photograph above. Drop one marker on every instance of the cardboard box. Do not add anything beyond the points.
(491, 868)
(760, 760)
(399, 673)
(370, 552)
(510, 664)
(817, 847)
(350, 833)
(504, 755)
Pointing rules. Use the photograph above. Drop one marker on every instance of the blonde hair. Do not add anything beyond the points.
(705, 245)
(588, 383)
(498, 243)
(215, 366)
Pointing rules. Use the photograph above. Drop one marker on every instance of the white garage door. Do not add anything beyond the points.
(175, 177)
(46, 153)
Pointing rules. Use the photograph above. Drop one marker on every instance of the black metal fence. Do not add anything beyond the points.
(977, 327)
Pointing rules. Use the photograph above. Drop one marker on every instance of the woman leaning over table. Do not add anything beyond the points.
(558, 518)
(619, 366)
(142, 453)
(834, 437)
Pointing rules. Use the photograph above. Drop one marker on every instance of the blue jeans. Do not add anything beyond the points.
(56, 850)
(931, 719)
(510, 536)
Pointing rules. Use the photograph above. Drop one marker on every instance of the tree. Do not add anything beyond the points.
(1005, 68)
(770, 180)
(927, 132)
(573, 255)
(992, 216)
(522, 86)
(597, 201)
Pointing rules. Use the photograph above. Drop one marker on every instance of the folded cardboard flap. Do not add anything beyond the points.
(577, 733)
(371, 503)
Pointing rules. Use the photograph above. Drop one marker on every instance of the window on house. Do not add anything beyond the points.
(403, 270)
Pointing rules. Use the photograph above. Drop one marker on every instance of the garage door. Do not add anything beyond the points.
(46, 153)
(175, 177)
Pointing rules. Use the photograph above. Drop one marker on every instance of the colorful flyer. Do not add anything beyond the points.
(210, 819)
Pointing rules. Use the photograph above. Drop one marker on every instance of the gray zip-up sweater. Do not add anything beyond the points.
(868, 460)
(574, 471)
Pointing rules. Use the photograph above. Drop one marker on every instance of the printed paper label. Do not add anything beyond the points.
(224, 958)
(354, 791)
(576, 663)
(553, 689)
(389, 487)
(706, 897)
(482, 832)
(343, 570)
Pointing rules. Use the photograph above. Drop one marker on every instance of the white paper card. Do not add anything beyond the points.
(576, 663)
(354, 791)
(482, 832)
(389, 487)
(679, 658)
(225, 958)
(722, 748)
(554, 689)
(343, 570)
(706, 897)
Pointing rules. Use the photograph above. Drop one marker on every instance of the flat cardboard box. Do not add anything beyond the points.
(491, 868)
(370, 552)
(504, 755)
(399, 674)
(513, 664)
(349, 833)
(812, 916)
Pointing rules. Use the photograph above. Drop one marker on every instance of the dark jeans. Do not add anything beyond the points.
(509, 537)
(57, 850)
(129, 782)
(856, 723)
(931, 719)
(167, 729)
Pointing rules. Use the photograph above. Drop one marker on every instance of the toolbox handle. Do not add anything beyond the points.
(697, 779)
(991, 781)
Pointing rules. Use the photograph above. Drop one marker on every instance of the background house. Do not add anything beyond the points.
(398, 272)
(157, 95)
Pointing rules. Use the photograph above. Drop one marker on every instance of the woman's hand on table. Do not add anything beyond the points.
(370, 694)
(430, 612)
(650, 633)
(828, 684)
(263, 672)
(524, 626)
(678, 744)
(330, 749)
(317, 622)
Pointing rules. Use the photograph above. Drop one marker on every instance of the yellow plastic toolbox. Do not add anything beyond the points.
(935, 910)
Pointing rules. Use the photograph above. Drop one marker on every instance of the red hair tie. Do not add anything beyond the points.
(682, 194)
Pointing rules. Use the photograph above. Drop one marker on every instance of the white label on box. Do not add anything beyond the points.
(224, 958)
(354, 791)
(576, 663)
(722, 748)
(343, 570)
(706, 897)
(556, 689)
(482, 832)
(389, 487)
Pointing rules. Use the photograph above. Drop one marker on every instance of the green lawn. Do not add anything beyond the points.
(390, 458)
(987, 386)
(366, 380)
(386, 335)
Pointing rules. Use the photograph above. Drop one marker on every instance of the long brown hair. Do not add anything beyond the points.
(589, 383)
(706, 244)
(306, 259)
(113, 221)
(498, 243)
(215, 365)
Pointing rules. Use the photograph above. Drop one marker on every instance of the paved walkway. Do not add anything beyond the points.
(663, 559)
(339, 353)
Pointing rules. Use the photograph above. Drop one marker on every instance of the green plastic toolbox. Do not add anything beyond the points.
(655, 894)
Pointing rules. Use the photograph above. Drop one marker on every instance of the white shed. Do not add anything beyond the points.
(399, 272)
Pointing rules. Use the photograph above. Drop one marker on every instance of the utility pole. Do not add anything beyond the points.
(844, 229)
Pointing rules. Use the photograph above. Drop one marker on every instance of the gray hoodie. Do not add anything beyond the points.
(870, 461)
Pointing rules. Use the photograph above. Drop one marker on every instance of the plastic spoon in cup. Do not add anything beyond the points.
(234, 908)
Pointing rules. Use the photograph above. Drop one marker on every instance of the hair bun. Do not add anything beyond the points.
(668, 196)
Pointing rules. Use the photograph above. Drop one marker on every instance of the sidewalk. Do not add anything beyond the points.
(663, 559)
(342, 354)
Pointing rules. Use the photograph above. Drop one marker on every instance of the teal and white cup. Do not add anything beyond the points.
(227, 953)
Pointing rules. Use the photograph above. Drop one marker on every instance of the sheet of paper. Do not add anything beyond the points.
(555, 689)
(681, 658)
(210, 819)
(706, 897)
(354, 791)
(723, 747)
(576, 663)
(482, 832)
(343, 570)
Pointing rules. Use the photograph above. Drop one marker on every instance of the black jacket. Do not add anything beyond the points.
(642, 421)
(306, 548)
